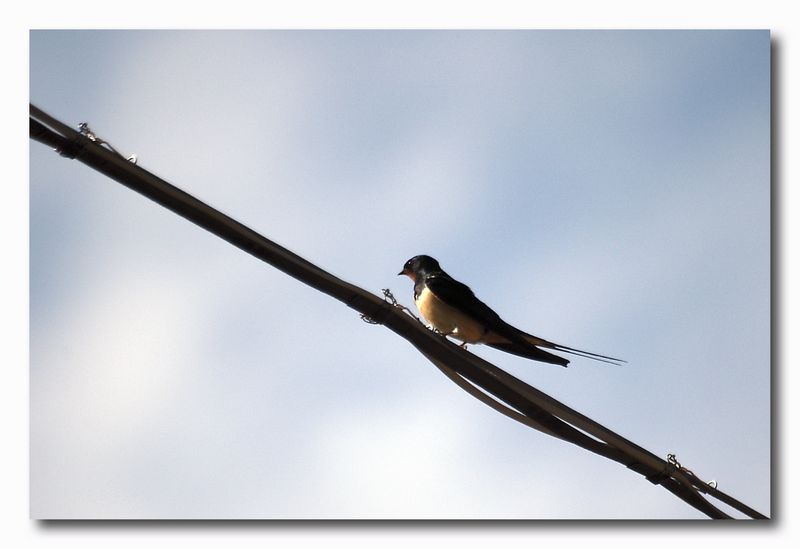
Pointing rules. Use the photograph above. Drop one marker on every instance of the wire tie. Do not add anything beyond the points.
(389, 298)
(72, 147)
(661, 476)
(85, 130)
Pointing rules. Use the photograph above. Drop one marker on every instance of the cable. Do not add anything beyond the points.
(522, 402)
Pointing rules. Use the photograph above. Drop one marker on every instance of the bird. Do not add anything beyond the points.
(451, 308)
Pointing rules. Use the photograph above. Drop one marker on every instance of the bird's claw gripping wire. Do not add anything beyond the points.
(463, 344)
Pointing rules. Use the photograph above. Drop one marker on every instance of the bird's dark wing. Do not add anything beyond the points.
(461, 297)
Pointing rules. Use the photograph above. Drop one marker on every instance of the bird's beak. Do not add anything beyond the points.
(408, 272)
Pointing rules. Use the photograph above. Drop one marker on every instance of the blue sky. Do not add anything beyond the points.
(605, 190)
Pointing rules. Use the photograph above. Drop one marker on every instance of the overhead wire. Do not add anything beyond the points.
(483, 380)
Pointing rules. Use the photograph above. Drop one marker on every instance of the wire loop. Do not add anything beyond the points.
(85, 130)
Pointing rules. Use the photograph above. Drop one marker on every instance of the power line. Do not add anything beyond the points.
(495, 387)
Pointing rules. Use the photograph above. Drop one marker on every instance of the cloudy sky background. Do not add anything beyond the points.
(606, 190)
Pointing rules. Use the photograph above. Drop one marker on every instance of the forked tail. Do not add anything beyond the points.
(577, 352)
(587, 354)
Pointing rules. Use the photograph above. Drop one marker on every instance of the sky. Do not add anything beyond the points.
(607, 190)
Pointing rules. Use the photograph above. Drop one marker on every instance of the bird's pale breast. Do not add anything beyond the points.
(448, 319)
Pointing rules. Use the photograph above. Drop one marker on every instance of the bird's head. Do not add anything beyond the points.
(419, 265)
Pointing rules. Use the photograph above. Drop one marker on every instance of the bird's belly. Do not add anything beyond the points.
(447, 319)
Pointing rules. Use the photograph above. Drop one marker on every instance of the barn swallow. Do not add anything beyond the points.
(452, 309)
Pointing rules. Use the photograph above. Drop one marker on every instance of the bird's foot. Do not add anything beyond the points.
(453, 334)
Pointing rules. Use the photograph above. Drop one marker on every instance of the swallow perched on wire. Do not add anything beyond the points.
(452, 308)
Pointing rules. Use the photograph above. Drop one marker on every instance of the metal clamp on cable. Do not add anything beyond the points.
(661, 476)
(72, 147)
(656, 478)
(378, 315)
